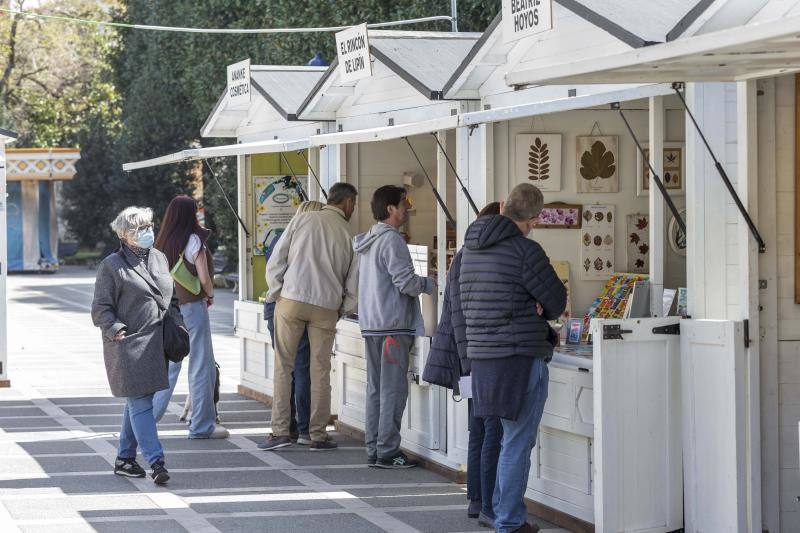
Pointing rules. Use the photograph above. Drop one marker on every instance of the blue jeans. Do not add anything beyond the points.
(514, 465)
(484, 450)
(301, 381)
(139, 429)
(202, 373)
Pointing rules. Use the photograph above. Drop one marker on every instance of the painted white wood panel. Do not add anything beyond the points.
(637, 428)
(713, 378)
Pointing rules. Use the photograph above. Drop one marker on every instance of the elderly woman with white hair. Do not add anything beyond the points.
(133, 285)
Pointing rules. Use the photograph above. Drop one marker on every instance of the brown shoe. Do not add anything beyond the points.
(323, 445)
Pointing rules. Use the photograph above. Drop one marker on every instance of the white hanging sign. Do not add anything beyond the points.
(352, 48)
(522, 18)
(239, 84)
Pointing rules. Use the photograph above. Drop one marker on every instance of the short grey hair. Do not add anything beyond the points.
(131, 218)
(340, 192)
(524, 203)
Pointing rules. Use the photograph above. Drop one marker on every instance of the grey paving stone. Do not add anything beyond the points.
(205, 480)
(10, 403)
(82, 507)
(93, 484)
(413, 496)
(73, 400)
(450, 521)
(182, 443)
(19, 423)
(297, 524)
(73, 464)
(258, 417)
(55, 446)
(300, 455)
(162, 526)
(115, 420)
(377, 475)
(242, 405)
(212, 459)
(20, 411)
(106, 409)
(249, 507)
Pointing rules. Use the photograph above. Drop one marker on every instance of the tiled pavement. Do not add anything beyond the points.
(58, 430)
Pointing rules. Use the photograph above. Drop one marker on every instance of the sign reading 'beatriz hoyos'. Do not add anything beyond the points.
(522, 18)
(352, 48)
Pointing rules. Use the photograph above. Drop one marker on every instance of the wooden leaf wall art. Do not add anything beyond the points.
(638, 235)
(538, 160)
(597, 163)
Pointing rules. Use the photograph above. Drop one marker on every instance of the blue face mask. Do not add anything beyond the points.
(145, 238)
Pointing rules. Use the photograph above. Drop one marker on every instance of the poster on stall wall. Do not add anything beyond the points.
(597, 242)
(638, 232)
(522, 18)
(352, 50)
(276, 201)
(562, 271)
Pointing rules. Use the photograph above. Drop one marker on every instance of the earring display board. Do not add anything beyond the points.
(538, 160)
(638, 232)
(597, 242)
(597, 159)
(673, 174)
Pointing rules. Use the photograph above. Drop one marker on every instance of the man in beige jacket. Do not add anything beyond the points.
(313, 276)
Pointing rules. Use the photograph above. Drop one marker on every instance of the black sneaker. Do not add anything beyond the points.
(160, 475)
(398, 461)
(323, 445)
(128, 468)
(371, 460)
(273, 443)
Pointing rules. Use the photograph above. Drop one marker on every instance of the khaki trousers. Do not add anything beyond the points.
(291, 319)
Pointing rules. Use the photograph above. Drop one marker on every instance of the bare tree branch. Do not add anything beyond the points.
(5, 89)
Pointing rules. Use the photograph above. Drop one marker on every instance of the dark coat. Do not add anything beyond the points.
(503, 275)
(447, 360)
(123, 299)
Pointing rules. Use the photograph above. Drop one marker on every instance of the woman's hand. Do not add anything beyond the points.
(539, 309)
(120, 335)
(210, 301)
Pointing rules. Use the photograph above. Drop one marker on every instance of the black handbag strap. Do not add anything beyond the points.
(160, 305)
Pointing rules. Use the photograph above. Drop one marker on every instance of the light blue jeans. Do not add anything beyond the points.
(202, 373)
(519, 436)
(139, 429)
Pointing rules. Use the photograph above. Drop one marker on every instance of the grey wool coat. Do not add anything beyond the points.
(124, 299)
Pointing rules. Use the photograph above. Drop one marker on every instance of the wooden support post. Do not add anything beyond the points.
(657, 206)
(441, 219)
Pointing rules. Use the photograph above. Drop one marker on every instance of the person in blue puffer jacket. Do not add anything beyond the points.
(509, 290)
(447, 362)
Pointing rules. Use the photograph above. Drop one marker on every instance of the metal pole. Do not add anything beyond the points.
(303, 153)
(454, 14)
(762, 247)
(303, 195)
(656, 179)
(213, 175)
(433, 187)
(463, 188)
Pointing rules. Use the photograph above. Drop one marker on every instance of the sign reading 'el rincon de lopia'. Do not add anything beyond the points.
(239, 84)
(522, 18)
(352, 47)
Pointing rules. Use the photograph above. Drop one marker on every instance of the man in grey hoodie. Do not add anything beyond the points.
(390, 318)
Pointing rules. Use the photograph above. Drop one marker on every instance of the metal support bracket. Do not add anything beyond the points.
(455, 173)
(433, 187)
(311, 169)
(614, 332)
(762, 247)
(671, 329)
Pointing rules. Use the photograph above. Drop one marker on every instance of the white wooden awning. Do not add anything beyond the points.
(259, 147)
(735, 54)
(386, 133)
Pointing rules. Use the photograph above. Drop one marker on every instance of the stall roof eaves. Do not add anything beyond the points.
(405, 75)
(473, 52)
(688, 19)
(320, 84)
(8, 133)
(213, 113)
(604, 23)
(285, 114)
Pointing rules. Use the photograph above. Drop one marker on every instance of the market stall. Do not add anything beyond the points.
(6, 137)
(34, 176)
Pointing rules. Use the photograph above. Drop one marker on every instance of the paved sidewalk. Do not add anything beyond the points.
(58, 431)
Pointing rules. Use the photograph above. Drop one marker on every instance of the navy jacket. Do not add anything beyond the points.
(503, 274)
(447, 360)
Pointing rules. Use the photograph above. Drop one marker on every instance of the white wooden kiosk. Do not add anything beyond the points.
(374, 116)
(6, 137)
(717, 383)
(271, 141)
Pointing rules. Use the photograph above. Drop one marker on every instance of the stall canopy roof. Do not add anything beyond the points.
(735, 54)
(190, 154)
(8, 134)
(283, 87)
(425, 60)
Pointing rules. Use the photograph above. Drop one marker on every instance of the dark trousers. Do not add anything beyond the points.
(301, 382)
(485, 435)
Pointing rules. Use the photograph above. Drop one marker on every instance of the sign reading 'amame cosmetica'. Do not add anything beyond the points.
(352, 48)
(239, 83)
(522, 18)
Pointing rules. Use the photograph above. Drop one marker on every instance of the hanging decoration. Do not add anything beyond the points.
(597, 242)
(538, 160)
(672, 175)
(637, 228)
(597, 161)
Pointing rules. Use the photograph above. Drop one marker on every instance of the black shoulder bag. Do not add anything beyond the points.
(176, 339)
